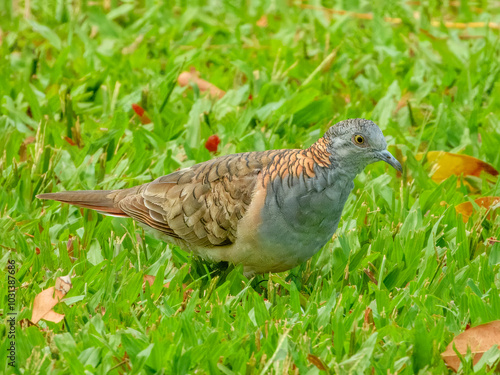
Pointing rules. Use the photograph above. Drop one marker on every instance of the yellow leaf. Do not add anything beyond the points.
(466, 208)
(446, 164)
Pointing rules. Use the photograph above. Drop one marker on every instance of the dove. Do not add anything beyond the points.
(266, 210)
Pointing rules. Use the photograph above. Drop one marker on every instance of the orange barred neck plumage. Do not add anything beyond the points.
(297, 162)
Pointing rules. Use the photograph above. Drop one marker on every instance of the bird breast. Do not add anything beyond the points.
(298, 220)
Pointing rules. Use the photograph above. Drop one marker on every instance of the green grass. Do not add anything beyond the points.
(75, 71)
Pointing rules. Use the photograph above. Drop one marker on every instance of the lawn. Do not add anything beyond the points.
(404, 273)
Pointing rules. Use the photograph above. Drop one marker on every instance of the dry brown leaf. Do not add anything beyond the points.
(370, 275)
(480, 339)
(185, 78)
(446, 164)
(46, 300)
(23, 147)
(52, 316)
(76, 132)
(316, 361)
(368, 319)
(466, 208)
(150, 280)
(262, 22)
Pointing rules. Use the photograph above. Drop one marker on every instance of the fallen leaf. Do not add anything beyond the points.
(23, 147)
(138, 109)
(143, 117)
(212, 143)
(316, 361)
(70, 141)
(54, 317)
(368, 319)
(370, 275)
(262, 22)
(185, 78)
(480, 339)
(76, 134)
(467, 208)
(46, 300)
(446, 164)
(150, 280)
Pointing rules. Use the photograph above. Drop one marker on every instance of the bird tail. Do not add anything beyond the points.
(103, 201)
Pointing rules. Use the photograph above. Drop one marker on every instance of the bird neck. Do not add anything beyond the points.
(339, 164)
(319, 153)
(316, 167)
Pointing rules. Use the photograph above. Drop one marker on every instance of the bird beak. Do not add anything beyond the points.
(389, 159)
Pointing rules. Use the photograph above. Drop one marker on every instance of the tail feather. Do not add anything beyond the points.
(98, 200)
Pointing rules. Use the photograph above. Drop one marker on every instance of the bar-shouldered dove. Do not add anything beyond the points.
(269, 210)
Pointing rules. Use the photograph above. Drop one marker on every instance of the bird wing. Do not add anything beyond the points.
(201, 205)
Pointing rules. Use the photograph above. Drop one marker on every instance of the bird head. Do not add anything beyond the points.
(359, 142)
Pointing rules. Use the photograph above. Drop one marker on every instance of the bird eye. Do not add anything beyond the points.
(358, 139)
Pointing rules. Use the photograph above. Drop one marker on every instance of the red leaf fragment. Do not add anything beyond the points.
(138, 109)
(143, 117)
(212, 143)
(70, 141)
